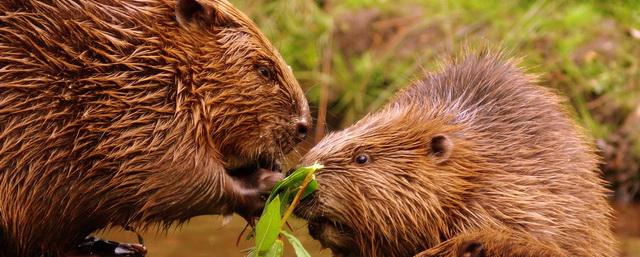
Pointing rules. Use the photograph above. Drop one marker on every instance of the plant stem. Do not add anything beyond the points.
(327, 58)
(296, 199)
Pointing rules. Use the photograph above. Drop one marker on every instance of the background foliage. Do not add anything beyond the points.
(356, 53)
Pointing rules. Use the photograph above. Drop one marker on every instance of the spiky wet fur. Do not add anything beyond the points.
(522, 178)
(112, 113)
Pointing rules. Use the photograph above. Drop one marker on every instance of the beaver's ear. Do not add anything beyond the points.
(190, 12)
(440, 147)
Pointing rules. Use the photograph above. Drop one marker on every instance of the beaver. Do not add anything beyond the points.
(139, 113)
(474, 160)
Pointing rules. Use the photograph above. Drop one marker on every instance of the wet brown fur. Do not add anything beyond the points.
(520, 178)
(115, 113)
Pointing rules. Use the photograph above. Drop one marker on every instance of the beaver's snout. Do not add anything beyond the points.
(315, 228)
(302, 129)
(332, 235)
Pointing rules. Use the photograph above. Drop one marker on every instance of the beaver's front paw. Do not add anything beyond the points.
(253, 191)
(95, 247)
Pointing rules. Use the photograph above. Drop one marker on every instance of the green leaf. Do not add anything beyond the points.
(294, 181)
(281, 197)
(312, 186)
(275, 250)
(286, 197)
(297, 246)
(268, 226)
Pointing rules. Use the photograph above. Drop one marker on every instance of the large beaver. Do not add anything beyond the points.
(476, 160)
(135, 112)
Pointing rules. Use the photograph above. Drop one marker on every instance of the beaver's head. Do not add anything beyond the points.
(250, 101)
(242, 96)
(389, 184)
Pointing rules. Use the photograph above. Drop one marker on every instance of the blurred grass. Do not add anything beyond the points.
(588, 50)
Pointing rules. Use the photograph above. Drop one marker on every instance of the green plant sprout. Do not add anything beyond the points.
(283, 199)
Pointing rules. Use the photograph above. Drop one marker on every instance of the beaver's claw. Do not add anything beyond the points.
(92, 246)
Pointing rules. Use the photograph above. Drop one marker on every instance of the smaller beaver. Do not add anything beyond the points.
(475, 160)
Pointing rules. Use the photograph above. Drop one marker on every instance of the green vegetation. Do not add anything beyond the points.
(356, 53)
(284, 197)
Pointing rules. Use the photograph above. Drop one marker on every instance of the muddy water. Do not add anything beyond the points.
(205, 237)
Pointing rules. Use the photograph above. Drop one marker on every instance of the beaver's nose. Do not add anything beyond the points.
(302, 129)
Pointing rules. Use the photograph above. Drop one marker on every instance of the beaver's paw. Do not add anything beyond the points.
(471, 249)
(252, 192)
(92, 246)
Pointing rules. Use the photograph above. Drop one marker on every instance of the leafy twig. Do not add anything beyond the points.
(296, 199)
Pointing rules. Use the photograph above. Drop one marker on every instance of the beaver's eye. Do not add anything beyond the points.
(362, 159)
(265, 72)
